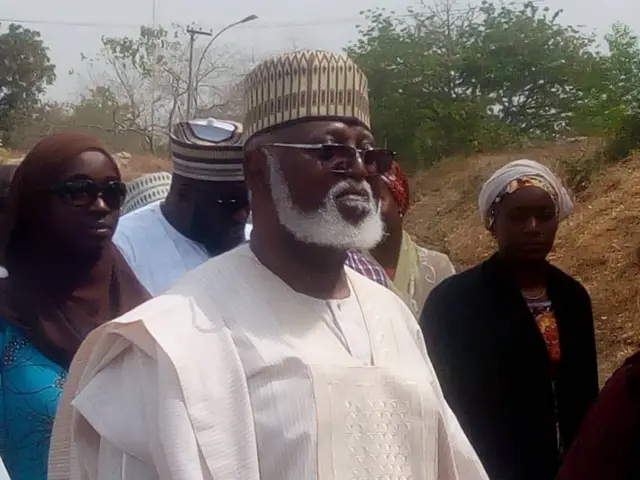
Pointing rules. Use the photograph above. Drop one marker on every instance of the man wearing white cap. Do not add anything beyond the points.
(205, 210)
(273, 361)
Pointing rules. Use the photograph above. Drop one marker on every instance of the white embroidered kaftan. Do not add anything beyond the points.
(233, 375)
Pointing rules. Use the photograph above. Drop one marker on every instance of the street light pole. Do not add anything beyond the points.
(154, 81)
(247, 19)
(192, 39)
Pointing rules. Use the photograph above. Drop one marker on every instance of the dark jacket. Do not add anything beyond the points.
(608, 444)
(493, 366)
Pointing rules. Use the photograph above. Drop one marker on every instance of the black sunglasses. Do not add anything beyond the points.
(342, 158)
(84, 193)
(232, 205)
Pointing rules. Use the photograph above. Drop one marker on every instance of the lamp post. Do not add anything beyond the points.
(190, 92)
(154, 80)
(193, 33)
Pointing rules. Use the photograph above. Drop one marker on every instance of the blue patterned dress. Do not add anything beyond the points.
(30, 386)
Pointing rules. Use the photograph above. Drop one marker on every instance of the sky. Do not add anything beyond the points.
(73, 27)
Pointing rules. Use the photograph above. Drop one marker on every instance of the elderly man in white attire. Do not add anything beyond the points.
(273, 361)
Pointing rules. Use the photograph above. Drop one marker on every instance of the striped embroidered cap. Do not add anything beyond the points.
(146, 189)
(304, 85)
(208, 149)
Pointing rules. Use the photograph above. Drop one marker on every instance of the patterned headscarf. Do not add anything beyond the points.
(516, 175)
(398, 184)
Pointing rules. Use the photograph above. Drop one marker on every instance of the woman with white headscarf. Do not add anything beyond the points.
(512, 339)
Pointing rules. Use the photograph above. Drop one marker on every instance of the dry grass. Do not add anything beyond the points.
(137, 165)
(140, 164)
(597, 244)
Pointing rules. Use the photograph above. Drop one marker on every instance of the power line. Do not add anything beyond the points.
(325, 22)
(69, 24)
(317, 23)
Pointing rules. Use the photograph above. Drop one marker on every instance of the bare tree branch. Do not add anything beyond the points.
(147, 77)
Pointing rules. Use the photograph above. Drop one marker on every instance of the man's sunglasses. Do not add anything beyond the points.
(342, 158)
(84, 193)
(233, 205)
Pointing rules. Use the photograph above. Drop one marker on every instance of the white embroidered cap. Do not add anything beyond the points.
(146, 189)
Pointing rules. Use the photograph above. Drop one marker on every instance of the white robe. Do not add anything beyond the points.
(233, 375)
(156, 252)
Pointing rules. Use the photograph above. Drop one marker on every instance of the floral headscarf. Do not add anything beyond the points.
(516, 175)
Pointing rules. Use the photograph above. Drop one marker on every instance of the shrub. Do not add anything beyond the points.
(624, 140)
(580, 171)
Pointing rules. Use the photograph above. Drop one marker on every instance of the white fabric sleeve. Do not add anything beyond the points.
(119, 418)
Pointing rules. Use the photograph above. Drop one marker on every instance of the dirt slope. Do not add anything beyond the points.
(139, 165)
(597, 244)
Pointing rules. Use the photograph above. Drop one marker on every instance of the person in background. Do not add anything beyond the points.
(512, 339)
(608, 443)
(204, 213)
(65, 279)
(6, 176)
(413, 270)
(358, 262)
(273, 361)
(145, 190)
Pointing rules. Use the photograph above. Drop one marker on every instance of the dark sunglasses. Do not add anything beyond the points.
(342, 158)
(84, 193)
(233, 205)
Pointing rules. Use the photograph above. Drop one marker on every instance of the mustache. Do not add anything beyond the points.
(345, 186)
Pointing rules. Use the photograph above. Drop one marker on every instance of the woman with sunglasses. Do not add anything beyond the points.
(65, 278)
(413, 270)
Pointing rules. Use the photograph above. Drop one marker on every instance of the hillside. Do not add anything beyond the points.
(139, 165)
(597, 244)
(130, 167)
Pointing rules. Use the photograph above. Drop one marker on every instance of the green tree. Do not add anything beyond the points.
(613, 84)
(445, 80)
(420, 105)
(25, 74)
(529, 66)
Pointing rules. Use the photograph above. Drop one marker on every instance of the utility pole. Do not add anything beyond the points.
(193, 33)
(154, 80)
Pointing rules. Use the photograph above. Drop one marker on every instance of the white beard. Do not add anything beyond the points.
(326, 226)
